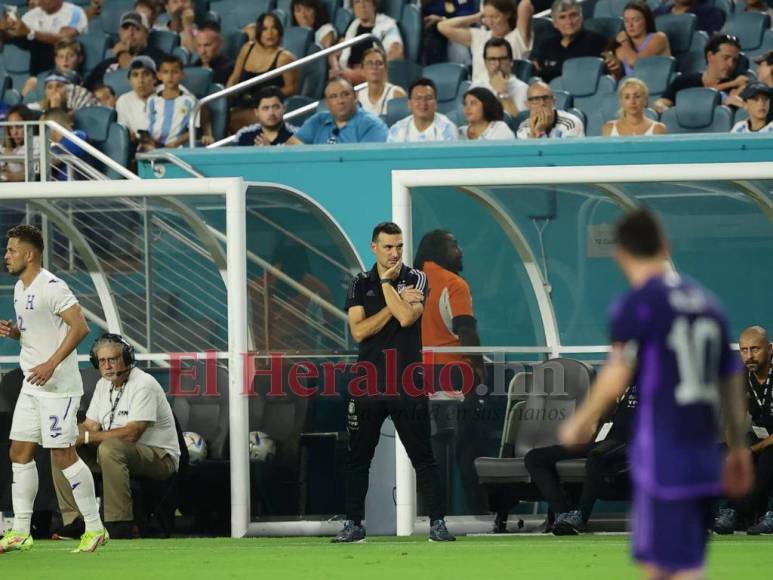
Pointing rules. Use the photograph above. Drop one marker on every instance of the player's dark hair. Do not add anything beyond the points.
(389, 228)
(27, 233)
(432, 248)
(639, 234)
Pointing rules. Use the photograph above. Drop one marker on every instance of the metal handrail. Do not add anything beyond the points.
(237, 88)
(91, 150)
(153, 156)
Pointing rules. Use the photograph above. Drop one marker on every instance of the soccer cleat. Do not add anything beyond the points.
(438, 532)
(763, 526)
(90, 541)
(14, 540)
(569, 524)
(71, 531)
(725, 522)
(351, 534)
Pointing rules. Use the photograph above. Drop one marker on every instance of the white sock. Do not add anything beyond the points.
(23, 491)
(82, 484)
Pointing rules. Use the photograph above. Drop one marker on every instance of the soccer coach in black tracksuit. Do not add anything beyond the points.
(385, 306)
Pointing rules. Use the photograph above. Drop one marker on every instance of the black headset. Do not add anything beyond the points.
(127, 350)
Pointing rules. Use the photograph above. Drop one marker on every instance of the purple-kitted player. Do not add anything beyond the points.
(669, 336)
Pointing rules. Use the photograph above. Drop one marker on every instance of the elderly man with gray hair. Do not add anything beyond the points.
(574, 41)
(129, 431)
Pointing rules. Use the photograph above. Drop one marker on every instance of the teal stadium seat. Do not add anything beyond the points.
(679, 28)
(94, 46)
(332, 7)
(296, 102)
(697, 110)
(104, 132)
(236, 14)
(657, 72)
(609, 8)
(403, 72)
(282, 16)
(607, 112)
(579, 114)
(397, 109)
(694, 59)
(16, 62)
(298, 40)
(198, 80)
(314, 75)
(218, 113)
(448, 77)
(522, 69)
(182, 53)
(12, 97)
(233, 42)
(587, 8)
(411, 27)
(5, 84)
(740, 115)
(584, 78)
(606, 26)
(164, 40)
(463, 88)
(543, 28)
(119, 80)
(750, 28)
(110, 16)
(563, 100)
(393, 8)
(343, 19)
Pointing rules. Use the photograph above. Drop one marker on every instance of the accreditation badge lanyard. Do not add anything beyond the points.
(764, 401)
(114, 404)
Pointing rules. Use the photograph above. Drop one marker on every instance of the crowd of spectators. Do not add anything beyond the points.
(494, 38)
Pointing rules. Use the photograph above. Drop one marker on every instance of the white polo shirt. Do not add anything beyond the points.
(68, 15)
(140, 399)
(38, 316)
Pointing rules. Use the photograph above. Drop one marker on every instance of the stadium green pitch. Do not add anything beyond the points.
(521, 556)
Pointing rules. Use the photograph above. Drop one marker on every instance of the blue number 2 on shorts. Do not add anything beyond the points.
(56, 429)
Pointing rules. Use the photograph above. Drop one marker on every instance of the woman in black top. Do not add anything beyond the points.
(256, 58)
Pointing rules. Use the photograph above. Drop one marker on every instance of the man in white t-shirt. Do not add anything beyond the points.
(545, 121)
(129, 431)
(500, 80)
(425, 123)
(132, 107)
(49, 325)
(42, 27)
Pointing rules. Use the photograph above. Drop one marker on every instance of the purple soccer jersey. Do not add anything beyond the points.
(678, 333)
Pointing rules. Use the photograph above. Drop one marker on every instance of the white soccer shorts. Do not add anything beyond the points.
(47, 421)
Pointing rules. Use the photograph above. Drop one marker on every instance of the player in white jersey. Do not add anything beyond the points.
(49, 325)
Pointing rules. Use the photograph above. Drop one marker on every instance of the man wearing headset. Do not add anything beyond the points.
(129, 431)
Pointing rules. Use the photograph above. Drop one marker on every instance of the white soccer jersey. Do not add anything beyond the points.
(168, 118)
(38, 308)
(69, 15)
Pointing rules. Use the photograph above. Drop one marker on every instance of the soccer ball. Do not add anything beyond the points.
(197, 447)
(262, 447)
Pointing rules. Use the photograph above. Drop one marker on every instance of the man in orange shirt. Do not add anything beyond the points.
(448, 318)
(448, 321)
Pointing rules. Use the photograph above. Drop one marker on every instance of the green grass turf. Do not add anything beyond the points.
(527, 556)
